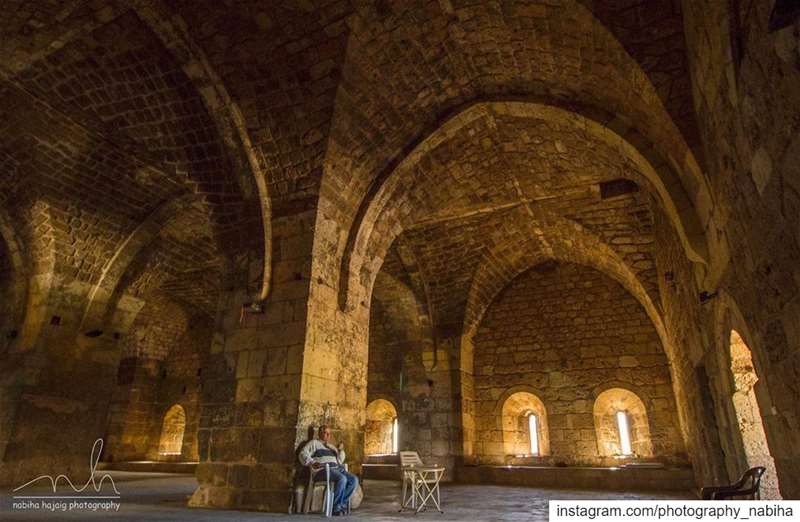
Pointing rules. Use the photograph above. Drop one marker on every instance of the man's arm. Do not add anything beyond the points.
(305, 454)
(341, 454)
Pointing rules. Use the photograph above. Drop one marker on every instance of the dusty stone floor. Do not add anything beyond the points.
(162, 496)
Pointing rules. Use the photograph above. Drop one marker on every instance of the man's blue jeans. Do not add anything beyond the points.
(344, 484)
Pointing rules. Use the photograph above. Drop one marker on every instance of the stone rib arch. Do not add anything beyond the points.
(41, 238)
(543, 73)
(561, 240)
(101, 297)
(223, 110)
(728, 316)
(356, 262)
(173, 145)
(18, 265)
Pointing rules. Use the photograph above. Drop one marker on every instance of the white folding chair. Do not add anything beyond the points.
(408, 459)
(426, 487)
(423, 481)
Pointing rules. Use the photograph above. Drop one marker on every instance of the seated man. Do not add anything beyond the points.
(319, 452)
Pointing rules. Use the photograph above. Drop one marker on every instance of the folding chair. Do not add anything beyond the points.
(408, 459)
(424, 482)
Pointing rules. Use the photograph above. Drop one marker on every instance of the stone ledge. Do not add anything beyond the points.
(615, 479)
(150, 466)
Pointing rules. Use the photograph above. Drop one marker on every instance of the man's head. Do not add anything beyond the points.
(324, 433)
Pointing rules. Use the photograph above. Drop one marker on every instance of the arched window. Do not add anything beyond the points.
(381, 432)
(748, 414)
(524, 424)
(172, 429)
(620, 420)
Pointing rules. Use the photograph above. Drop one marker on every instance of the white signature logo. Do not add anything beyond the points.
(94, 458)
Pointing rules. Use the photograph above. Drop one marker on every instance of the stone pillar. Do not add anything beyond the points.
(334, 387)
(464, 384)
(431, 416)
(252, 379)
(456, 438)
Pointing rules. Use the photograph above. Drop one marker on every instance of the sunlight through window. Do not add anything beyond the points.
(395, 435)
(533, 428)
(624, 432)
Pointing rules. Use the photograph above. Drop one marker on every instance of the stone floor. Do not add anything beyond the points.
(162, 496)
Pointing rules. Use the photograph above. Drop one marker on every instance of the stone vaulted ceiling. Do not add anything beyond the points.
(110, 113)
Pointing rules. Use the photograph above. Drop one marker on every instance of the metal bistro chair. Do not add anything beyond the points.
(327, 494)
(739, 489)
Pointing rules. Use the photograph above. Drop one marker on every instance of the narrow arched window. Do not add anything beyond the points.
(623, 426)
(533, 430)
(523, 418)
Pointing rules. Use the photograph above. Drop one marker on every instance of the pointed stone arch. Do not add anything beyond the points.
(102, 296)
(362, 258)
(173, 32)
(743, 398)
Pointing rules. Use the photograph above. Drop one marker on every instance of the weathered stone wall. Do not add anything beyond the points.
(683, 318)
(252, 379)
(6, 287)
(160, 367)
(131, 414)
(62, 377)
(181, 380)
(405, 369)
(744, 80)
(566, 333)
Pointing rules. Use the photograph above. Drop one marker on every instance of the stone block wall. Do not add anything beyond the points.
(404, 371)
(566, 333)
(160, 367)
(132, 412)
(744, 83)
(252, 377)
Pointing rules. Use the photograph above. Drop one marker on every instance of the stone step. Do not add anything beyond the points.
(149, 466)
